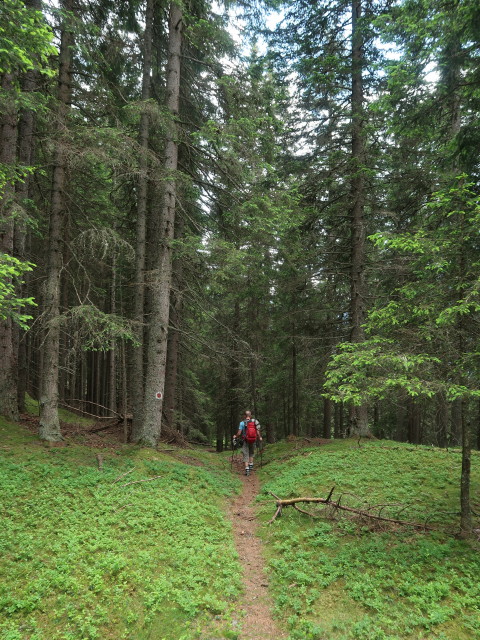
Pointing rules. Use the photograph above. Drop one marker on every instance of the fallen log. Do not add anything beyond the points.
(292, 502)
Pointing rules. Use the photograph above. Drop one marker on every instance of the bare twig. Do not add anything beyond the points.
(124, 507)
(137, 481)
(123, 475)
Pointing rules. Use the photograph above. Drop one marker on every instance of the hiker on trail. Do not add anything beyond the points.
(249, 431)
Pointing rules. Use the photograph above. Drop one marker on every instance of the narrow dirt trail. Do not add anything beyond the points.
(258, 623)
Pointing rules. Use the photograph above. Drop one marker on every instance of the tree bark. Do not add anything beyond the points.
(26, 132)
(176, 302)
(295, 409)
(441, 419)
(137, 383)
(465, 510)
(233, 375)
(158, 336)
(8, 156)
(48, 400)
(358, 414)
(327, 418)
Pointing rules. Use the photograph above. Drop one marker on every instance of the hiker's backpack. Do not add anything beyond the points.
(251, 430)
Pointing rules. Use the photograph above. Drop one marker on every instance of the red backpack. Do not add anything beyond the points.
(251, 430)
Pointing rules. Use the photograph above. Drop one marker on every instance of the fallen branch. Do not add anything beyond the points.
(123, 475)
(137, 481)
(292, 502)
(104, 427)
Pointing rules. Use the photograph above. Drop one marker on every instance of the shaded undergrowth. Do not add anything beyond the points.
(342, 577)
(137, 549)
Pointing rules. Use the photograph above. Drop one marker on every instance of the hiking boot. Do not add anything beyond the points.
(247, 471)
(250, 466)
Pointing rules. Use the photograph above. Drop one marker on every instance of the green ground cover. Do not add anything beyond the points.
(337, 578)
(84, 555)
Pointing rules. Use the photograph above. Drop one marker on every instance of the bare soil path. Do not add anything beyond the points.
(258, 623)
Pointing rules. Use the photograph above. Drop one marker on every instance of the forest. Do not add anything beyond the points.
(211, 207)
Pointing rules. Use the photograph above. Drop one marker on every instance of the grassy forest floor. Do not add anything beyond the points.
(101, 540)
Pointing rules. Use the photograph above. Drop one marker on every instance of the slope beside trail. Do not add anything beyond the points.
(258, 622)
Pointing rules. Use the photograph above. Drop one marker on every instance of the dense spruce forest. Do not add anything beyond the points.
(207, 208)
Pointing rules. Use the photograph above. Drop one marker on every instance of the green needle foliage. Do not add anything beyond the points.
(338, 577)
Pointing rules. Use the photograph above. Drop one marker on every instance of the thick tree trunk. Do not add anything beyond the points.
(158, 335)
(48, 400)
(358, 414)
(138, 368)
(172, 361)
(8, 351)
(176, 303)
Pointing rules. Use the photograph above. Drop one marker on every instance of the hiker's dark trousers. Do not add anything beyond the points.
(248, 450)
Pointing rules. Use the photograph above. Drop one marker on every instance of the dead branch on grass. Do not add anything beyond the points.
(293, 502)
(123, 475)
(137, 481)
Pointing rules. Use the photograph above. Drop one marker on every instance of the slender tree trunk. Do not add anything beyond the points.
(49, 422)
(234, 375)
(8, 351)
(137, 383)
(478, 425)
(358, 414)
(414, 420)
(327, 418)
(295, 416)
(158, 335)
(112, 361)
(22, 188)
(441, 420)
(465, 510)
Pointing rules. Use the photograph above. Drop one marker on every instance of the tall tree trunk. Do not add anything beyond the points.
(338, 428)
(176, 302)
(233, 375)
(158, 335)
(327, 418)
(295, 410)
(358, 414)
(25, 158)
(138, 369)
(8, 156)
(414, 421)
(441, 420)
(49, 422)
(112, 361)
(465, 510)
